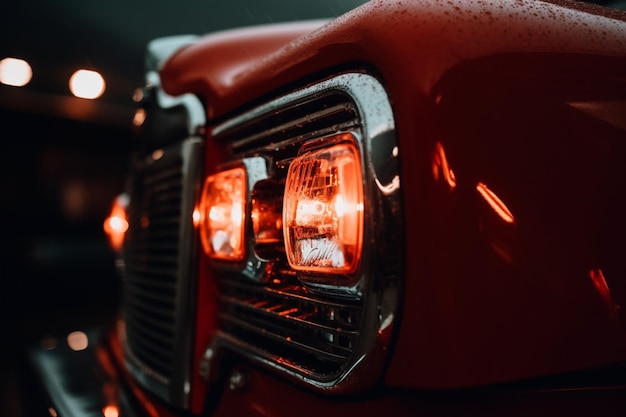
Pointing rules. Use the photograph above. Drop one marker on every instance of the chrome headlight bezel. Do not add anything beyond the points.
(348, 313)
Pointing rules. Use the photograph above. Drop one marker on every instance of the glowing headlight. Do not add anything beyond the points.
(323, 210)
(222, 214)
(116, 224)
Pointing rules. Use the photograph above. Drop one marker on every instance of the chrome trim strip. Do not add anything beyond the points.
(158, 52)
(196, 116)
(193, 156)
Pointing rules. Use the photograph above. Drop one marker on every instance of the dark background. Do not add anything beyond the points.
(64, 159)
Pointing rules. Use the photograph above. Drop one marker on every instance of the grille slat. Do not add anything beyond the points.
(162, 207)
(286, 341)
(308, 335)
(153, 239)
(154, 180)
(148, 259)
(166, 246)
(152, 258)
(147, 333)
(149, 355)
(136, 300)
(158, 275)
(143, 276)
(153, 294)
(280, 312)
(144, 317)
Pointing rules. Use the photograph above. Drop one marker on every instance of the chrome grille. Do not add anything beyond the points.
(159, 273)
(151, 258)
(307, 332)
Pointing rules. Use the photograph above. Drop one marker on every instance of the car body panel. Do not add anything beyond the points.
(411, 43)
(212, 66)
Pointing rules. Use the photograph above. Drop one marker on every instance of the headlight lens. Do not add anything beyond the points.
(222, 214)
(323, 210)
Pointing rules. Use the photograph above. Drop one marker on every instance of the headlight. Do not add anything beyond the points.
(222, 215)
(323, 210)
(116, 224)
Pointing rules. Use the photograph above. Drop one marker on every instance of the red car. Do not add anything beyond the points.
(415, 209)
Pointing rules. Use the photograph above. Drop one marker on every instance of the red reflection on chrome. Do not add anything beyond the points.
(597, 278)
(496, 204)
(440, 162)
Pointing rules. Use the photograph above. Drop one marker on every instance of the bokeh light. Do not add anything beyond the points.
(77, 341)
(87, 84)
(15, 72)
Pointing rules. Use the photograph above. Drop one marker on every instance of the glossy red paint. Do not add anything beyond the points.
(213, 66)
(520, 301)
(599, 282)
(486, 301)
(411, 43)
(266, 396)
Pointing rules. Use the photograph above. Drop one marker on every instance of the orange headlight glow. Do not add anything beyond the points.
(222, 215)
(323, 210)
(116, 224)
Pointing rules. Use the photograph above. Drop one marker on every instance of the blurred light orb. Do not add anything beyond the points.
(87, 84)
(77, 341)
(110, 411)
(15, 72)
(140, 117)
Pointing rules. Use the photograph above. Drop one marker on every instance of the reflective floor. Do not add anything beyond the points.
(42, 304)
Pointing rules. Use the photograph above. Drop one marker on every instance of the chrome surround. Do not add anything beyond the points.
(377, 116)
(196, 115)
(251, 266)
(256, 170)
(158, 52)
(378, 285)
(373, 105)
